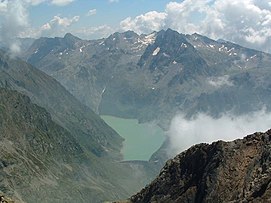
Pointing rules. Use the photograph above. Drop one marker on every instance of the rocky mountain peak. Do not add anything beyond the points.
(69, 41)
(237, 171)
(69, 36)
(172, 51)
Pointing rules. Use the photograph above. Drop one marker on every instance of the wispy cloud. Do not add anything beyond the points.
(92, 12)
(57, 26)
(15, 20)
(94, 32)
(61, 2)
(113, 1)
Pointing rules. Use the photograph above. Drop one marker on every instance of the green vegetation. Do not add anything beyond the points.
(141, 140)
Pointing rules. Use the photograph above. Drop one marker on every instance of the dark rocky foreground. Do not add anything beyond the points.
(237, 171)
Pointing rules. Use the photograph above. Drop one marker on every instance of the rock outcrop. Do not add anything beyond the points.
(237, 171)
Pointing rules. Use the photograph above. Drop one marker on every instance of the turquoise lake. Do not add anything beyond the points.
(141, 140)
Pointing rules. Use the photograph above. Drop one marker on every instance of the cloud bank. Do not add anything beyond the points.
(184, 133)
(246, 22)
(14, 21)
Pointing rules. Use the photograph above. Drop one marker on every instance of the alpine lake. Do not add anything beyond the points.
(141, 139)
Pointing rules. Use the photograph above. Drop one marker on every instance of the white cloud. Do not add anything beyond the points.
(3, 6)
(15, 20)
(56, 27)
(15, 23)
(61, 2)
(145, 23)
(113, 1)
(92, 12)
(184, 133)
(247, 22)
(94, 32)
(65, 22)
(35, 2)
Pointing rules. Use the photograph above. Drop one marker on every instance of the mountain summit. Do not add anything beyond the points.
(237, 171)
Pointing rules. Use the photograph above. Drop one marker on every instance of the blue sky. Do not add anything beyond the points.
(104, 12)
(246, 22)
(110, 13)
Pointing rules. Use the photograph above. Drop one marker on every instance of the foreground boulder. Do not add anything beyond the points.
(237, 171)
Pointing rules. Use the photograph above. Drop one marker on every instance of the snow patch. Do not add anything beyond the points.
(103, 90)
(166, 55)
(221, 48)
(212, 46)
(156, 51)
(184, 45)
(252, 57)
(230, 50)
(149, 39)
(81, 48)
(220, 81)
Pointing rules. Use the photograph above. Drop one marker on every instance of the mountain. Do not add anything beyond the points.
(36, 153)
(67, 111)
(84, 67)
(57, 145)
(237, 171)
(151, 77)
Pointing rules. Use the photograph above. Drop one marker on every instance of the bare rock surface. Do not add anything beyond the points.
(237, 171)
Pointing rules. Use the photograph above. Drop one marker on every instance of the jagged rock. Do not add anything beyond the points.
(4, 199)
(237, 171)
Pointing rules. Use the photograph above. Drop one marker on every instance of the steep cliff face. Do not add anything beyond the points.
(237, 171)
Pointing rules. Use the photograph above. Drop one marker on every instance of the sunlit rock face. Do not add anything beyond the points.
(237, 171)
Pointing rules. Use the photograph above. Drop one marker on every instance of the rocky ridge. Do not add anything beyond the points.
(62, 123)
(237, 171)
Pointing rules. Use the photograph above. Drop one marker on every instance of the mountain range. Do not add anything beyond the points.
(151, 77)
(55, 148)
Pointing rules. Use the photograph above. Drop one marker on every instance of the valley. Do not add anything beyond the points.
(149, 78)
(94, 119)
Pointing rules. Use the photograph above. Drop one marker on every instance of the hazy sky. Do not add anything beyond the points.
(246, 22)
